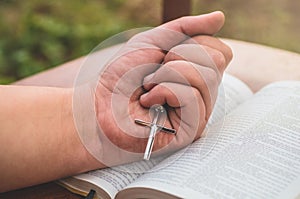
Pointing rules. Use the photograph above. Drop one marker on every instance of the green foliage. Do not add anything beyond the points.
(36, 35)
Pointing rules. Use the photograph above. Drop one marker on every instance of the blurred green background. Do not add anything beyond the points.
(36, 35)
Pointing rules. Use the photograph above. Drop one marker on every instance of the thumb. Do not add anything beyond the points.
(167, 35)
(208, 24)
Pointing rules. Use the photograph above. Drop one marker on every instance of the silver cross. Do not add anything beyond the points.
(154, 128)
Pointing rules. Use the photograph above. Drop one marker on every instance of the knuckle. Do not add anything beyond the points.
(230, 54)
(219, 60)
(227, 52)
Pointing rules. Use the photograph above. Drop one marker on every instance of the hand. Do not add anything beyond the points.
(179, 65)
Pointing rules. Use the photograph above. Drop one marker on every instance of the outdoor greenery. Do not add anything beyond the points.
(36, 35)
(274, 23)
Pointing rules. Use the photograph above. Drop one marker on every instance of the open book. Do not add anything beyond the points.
(251, 151)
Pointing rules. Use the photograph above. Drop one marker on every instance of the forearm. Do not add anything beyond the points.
(259, 65)
(38, 139)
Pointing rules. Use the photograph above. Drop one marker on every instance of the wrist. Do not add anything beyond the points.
(79, 158)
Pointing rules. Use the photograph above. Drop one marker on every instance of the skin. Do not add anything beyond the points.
(39, 141)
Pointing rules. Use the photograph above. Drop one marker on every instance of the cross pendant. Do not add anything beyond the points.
(154, 128)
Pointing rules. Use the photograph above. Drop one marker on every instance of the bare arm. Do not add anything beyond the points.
(38, 138)
(64, 75)
(259, 65)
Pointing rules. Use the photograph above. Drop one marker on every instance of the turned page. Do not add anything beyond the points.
(256, 153)
(232, 92)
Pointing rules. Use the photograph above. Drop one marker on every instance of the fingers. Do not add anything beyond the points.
(204, 79)
(150, 46)
(198, 54)
(203, 50)
(187, 114)
(213, 43)
(198, 65)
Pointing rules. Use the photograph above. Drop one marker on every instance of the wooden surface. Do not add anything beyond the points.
(44, 191)
(173, 9)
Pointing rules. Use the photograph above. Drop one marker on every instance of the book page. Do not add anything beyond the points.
(232, 92)
(257, 154)
(111, 180)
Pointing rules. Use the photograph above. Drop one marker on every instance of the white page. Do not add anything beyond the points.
(232, 92)
(257, 154)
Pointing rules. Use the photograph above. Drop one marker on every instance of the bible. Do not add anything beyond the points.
(251, 149)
